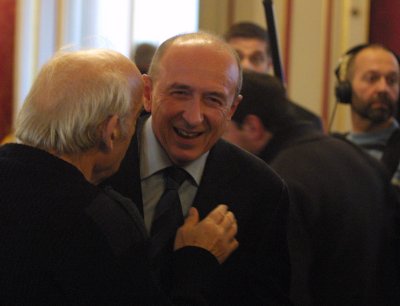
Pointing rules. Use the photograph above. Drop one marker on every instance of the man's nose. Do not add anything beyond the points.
(246, 63)
(193, 113)
(383, 85)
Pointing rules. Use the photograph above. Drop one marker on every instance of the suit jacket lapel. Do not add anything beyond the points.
(137, 186)
(216, 176)
(130, 208)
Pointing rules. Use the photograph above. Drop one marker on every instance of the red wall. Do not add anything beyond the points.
(7, 32)
(385, 23)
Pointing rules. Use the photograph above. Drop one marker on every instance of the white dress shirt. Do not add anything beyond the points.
(153, 159)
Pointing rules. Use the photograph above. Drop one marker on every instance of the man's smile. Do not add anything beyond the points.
(186, 134)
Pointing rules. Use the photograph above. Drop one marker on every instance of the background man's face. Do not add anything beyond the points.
(375, 85)
(252, 53)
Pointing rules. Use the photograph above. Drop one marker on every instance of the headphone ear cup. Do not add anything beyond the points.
(343, 92)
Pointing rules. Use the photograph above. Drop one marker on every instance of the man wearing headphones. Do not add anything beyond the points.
(368, 80)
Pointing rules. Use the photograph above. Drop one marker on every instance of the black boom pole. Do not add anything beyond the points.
(273, 40)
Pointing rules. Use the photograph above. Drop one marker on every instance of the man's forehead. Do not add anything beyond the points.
(198, 57)
(248, 47)
(188, 50)
(222, 83)
(188, 61)
(247, 41)
(374, 60)
(188, 79)
(372, 56)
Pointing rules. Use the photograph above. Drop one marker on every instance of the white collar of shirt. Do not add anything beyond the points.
(153, 157)
(377, 137)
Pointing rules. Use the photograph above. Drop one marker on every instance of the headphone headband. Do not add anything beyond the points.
(341, 68)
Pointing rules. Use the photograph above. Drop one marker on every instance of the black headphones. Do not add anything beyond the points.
(343, 88)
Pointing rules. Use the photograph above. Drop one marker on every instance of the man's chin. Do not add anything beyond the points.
(380, 116)
(184, 157)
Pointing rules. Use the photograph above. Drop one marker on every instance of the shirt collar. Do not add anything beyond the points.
(377, 136)
(153, 158)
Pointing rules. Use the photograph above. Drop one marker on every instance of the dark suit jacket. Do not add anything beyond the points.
(257, 273)
(302, 114)
(66, 242)
(343, 227)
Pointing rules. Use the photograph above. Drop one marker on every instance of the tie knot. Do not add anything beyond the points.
(174, 177)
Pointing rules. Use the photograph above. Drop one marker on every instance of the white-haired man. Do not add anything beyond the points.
(66, 241)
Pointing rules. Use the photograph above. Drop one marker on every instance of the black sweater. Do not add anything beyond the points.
(65, 241)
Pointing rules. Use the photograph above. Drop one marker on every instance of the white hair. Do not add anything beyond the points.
(73, 95)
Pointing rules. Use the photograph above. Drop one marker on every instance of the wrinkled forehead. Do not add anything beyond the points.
(248, 44)
(201, 52)
(376, 58)
(193, 58)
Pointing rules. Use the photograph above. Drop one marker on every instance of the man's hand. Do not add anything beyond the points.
(215, 233)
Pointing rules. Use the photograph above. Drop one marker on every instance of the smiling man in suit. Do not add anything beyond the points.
(64, 240)
(192, 91)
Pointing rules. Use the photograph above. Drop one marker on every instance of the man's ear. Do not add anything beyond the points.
(253, 126)
(111, 131)
(234, 106)
(148, 88)
(256, 131)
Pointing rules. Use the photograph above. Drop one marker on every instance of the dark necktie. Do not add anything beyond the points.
(168, 212)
